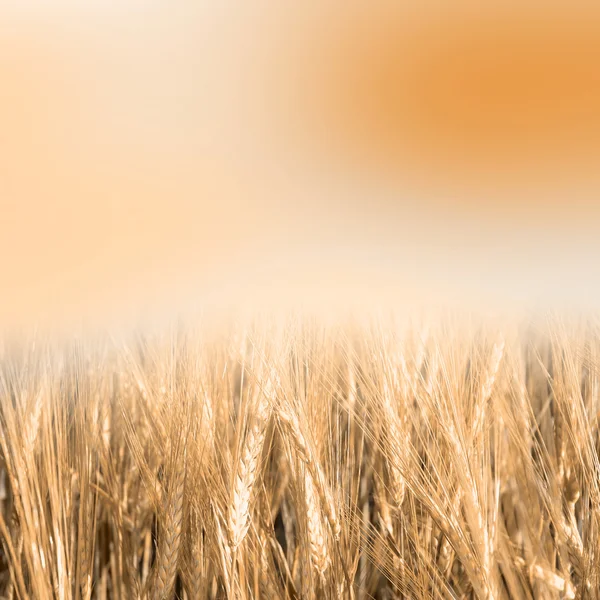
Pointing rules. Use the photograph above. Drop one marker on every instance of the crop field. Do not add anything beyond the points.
(295, 458)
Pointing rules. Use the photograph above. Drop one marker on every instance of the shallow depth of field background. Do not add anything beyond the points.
(155, 157)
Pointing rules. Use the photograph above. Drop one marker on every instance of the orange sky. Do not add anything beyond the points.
(152, 158)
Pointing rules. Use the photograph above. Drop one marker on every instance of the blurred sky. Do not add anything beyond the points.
(156, 156)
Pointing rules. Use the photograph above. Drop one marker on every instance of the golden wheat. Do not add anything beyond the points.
(300, 459)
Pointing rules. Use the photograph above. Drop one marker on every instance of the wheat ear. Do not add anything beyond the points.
(306, 455)
(317, 539)
(170, 535)
(238, 520)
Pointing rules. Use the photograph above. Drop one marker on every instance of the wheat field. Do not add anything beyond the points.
(299, 458)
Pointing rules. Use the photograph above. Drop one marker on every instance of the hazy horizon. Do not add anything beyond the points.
(154, 159)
